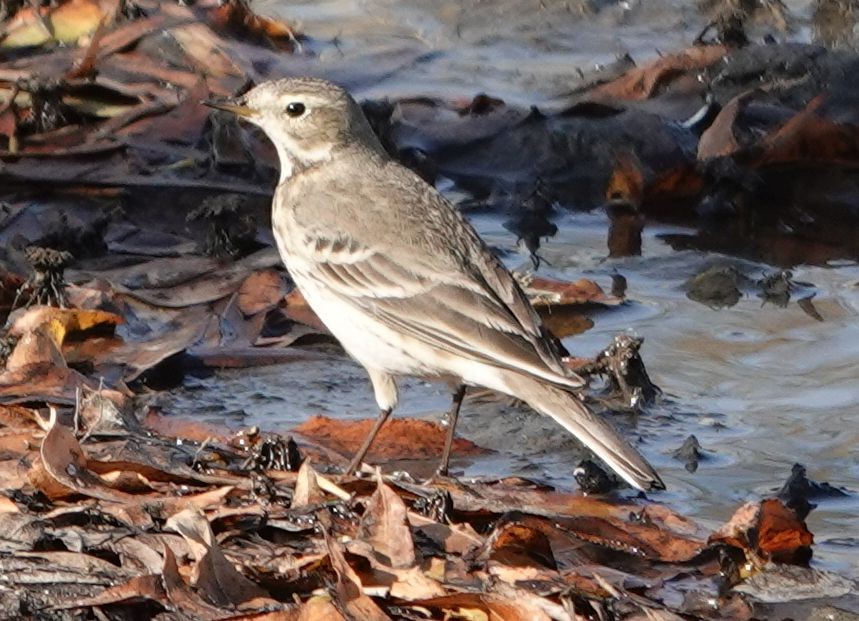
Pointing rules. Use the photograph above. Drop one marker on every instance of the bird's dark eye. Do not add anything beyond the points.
(295, 109)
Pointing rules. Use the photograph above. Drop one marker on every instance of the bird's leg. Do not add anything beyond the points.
(359, 456)
(452, 415)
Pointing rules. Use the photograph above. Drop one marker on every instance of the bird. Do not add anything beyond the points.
(401, 278)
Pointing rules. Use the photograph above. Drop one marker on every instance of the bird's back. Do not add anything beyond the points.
(394, 245)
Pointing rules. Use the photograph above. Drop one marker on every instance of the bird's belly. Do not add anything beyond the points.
(367, 339)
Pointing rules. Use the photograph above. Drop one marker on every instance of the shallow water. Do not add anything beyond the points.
(761, 387)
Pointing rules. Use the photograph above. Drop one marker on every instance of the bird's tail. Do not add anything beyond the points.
(595, 433)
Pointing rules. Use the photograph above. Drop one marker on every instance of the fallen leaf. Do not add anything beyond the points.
(403, 438)
(767, 530)
(385, 527)
(648, 81)
(307, 490)
(215, 577)
(66, 23)
(348, 589)
(64, 460)
(261, 291)
(62, 322)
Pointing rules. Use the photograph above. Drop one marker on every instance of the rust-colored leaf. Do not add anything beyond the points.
(648, 81)
(767, 530)
(782, 535)
(261, 291)
(719, 140)
(520, 542)
(626, 183)
(403, 438)
(809, 137)
(550, 292)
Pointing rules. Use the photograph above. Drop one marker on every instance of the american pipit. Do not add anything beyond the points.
(400, 277)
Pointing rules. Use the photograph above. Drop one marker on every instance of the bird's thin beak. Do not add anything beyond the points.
(235, 106)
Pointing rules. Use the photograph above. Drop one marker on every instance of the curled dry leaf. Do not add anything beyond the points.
(261, 291)
(767, 530)
(519, 541)
(214, 576)
(181, 596)
(307, 490)
(549, 292)
(349, 588)
(385, 527)
(62, 322)
(479, 607)
(64, 461)
(719, 140)
(645, 82)
(66, 23)
(36, 347)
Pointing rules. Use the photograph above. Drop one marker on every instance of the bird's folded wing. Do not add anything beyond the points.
(478, 312)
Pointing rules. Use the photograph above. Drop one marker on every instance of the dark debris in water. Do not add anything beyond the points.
(690, 453)
(621, 364)
(593, 479)
(798, 491)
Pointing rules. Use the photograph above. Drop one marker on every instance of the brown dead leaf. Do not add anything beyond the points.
(767, 530)
(307, 490)
(183, 428)
(237, 19)
(638, 539)
(646, 82)
(808, 137)
(214, 576)
(130, 592)
(261, 291)
(675, 184)
(549, 292)
(479, 607)
(203, 46)
(62, 322)
(782, 535)
(36, 347)
(66, 23)
(64, 460)
(180, 594)
(385, 527)
(398, 438)
(626, 183)
(348, 589)
(458, 539)
(719, 140)
(320, 608)
(519, 540)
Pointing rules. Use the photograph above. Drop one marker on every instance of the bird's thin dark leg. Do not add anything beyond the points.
(359, 456)
(452, 415)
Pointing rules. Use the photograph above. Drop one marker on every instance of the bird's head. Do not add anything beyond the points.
(307, 119)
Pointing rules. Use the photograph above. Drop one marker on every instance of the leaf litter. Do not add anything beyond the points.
(109, 510)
